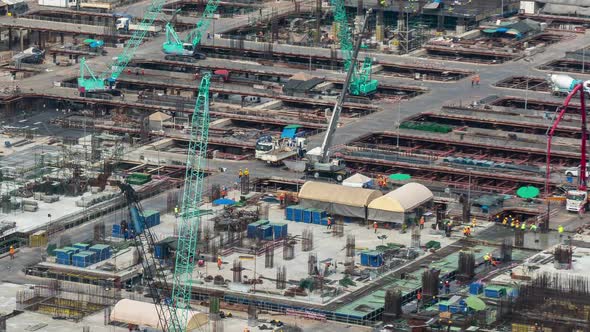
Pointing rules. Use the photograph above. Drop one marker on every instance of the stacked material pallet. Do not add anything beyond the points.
(38, 239)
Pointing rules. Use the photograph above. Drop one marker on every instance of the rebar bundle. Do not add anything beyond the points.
(466, 266)
(393, 305)
(312, 264)
(269, 256)
(430, 283)
(349, 265)
(281, 277)
(307, 240)
(563, 257)
(237, 270)
(518, 238)
(350, 245)
(415, 237)
(338, 229)
(506, 251)
(288, 250)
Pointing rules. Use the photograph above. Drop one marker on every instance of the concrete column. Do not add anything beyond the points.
(460, 28)
(9, 38)
(22, 41)
(379, 33)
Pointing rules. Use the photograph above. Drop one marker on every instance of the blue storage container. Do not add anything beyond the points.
(317, 216)
(91, 256)
(347, 219)
(63, 256)
(81, 246)
(151, 218)
(251, 230)
(265, 232)
(372, 258)
(298, 214)
(495, 292)
(290, 212)
(279, 230)
(82, 259)
(443, 306)
(102, 251)
(475, 288)
(72, 250)
(307, 216)
(161, 251)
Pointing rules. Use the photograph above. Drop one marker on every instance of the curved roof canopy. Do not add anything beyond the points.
(338, 194)
(145, 314)
(403, 199)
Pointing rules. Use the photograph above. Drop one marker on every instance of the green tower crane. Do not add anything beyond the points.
(361, 83)
(178, 49)
(108, 78)
(191, 200)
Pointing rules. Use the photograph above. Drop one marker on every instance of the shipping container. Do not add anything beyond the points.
(102, 251)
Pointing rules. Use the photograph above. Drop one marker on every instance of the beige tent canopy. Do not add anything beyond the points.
(396, 204)
(145, 314)
(337, 199)
(403, 199)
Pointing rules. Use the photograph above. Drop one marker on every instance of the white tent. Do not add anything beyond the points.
(358, 181)
(145, 314)
(336, 199)
(397, 204)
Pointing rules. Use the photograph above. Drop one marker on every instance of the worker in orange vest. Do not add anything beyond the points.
(329, 222)
(422, 222)
(219, 262)
(375, 226)
(11, 252)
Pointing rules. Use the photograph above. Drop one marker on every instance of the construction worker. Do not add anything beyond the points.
(447, 287)
(473, 222)
(329, 222)
(11, 252)
(523, 226)
(219, 262)
(486, 259)
(246, 172)
(476, 78)
(534, 227)
(418, 298)
(240, 174)
(375, 226)
(512, 224)
(422, 222)
(505, 221)
(282, 199)
(517, 224)
(559, 230)
(176, 211)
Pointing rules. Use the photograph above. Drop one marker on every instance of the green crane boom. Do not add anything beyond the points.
(361, 83)
(191, 200)
(100, 82)
(175, 46)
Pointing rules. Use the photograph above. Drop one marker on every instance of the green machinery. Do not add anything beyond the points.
(361, 83)
(178, 49)
(88, 81)
(190, 218)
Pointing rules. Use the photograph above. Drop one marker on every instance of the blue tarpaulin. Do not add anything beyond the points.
(289, 133)
(224, 201)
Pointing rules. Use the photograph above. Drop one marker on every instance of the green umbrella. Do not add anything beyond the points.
(475, 303)
(88, 41)
(400, 177)
(527, 192)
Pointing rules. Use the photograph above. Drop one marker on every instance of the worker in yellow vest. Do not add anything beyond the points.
(246, 172)
(560, 230)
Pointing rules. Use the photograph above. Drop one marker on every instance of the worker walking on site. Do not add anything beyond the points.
(418, 299)
(375, 227)
(473, 222)
(422, 222)
(240, 174)
(447, 287)
(476, 78)
(11, 252)
(559, 230)
(329, 223)
(176, 211)
(219, 262)
(486, 259)
(523, 226)
(533, 227)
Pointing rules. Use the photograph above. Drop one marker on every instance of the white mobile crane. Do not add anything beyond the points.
(320, 164)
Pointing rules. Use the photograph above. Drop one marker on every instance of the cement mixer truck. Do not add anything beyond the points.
(563, 84)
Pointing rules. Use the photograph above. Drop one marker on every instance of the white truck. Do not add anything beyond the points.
(563, 84)
(576, 200)
(124, 24)
(575, 171)
(274, 150)
(57, 3)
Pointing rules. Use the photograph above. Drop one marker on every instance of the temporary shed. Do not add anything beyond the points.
(358, 181)
(157, 120)
(337, 199)
(145, 314)
(400, 203)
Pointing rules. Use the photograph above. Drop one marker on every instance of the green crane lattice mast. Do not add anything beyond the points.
(361, 83)
(176, 46)
(191, 200)
(99, 82)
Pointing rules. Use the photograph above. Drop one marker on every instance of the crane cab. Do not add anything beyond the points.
(576, 200)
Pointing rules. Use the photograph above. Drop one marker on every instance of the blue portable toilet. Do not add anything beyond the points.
(371, 258)
(475, 288)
